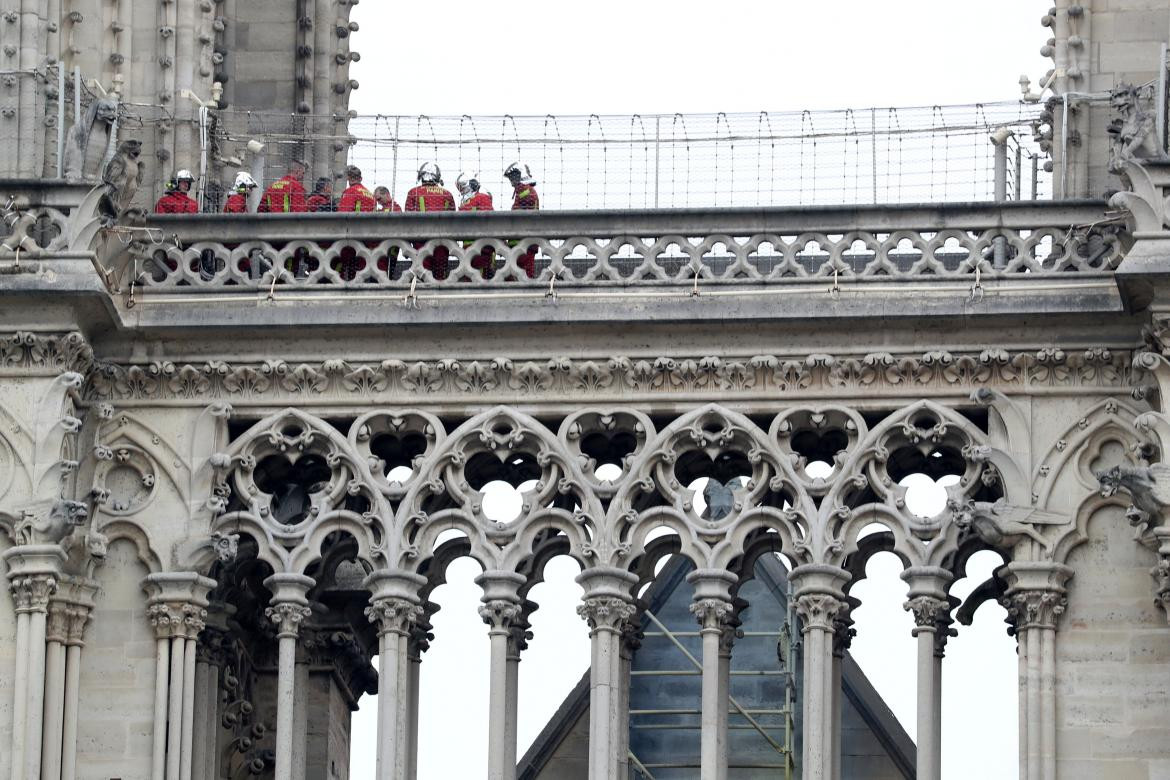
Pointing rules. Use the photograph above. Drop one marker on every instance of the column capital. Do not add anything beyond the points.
(290, 603)
(34, 571)
(393, 614)
(31, 593)
(818, 611)
(1035, 597)
(177, 604)
(818, 594)
(287, 616)
(605, 612)
(501, 607)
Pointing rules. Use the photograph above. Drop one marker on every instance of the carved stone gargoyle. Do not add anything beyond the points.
(1133, 133)
(1148, 486)
(1001, 525)
(49, 521)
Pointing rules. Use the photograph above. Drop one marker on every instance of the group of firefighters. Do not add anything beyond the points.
(288, 194)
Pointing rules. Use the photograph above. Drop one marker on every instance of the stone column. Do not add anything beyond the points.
(33, 574)
(208, 660)
(289, 607)
(928, 601)
(78, 616)
(56, 636)
(712, 607)
(607, 607)
(394, 607)
(630, 641)
(1035, 600)
(503, 613)
(518, 636)
(819, 600)
(420, 642)
(843, 634)
(177, 608)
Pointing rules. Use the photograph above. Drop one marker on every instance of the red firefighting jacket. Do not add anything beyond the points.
(480, 201)
(429, 197)
(176, 203)
(236, 204)
(357, 199)
(386, 209)
(284, 196)
(319, 201)
(525, 198)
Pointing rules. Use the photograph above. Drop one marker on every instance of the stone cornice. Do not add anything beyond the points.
(624, 377)
(49, 353)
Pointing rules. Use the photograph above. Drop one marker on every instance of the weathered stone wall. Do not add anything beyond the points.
(1113, 661)
(1123, 41)
(116, 723)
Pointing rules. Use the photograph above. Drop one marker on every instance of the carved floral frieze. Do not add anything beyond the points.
(26, 351)
(618, 376)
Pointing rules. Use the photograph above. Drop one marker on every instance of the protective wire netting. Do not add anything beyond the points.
(878, 155)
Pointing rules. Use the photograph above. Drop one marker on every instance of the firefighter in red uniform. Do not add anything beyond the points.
(430, 195)
(237, 202)
(356, 199)
(176, 200)
(524, 198)
(385, 201)
(473, 198)
(321, 200)
(287, 194)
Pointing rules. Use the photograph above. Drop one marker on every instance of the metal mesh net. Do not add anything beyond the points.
(886, 155)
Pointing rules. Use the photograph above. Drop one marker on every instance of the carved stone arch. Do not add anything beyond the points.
(500, 443)
(923, 435)
(714, 442)
(557, 535)
(791, 537)
(638, 546)
(134, 533)
(545, 546)
(312, 548)
(292, 479)
(865, 548)
(1083, 443)
(418, 556)
(1077, 532)
(901, 541)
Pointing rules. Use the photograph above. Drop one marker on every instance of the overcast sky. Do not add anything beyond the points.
(457, 57)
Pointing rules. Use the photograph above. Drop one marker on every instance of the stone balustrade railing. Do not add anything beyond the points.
(627, 248)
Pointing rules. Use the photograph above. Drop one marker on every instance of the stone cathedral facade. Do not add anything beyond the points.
(231, 477)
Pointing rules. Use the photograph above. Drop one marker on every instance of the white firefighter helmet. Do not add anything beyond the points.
(244, 181)
(518, 173)
(429, 173)
(467, 182)
(184, 175)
